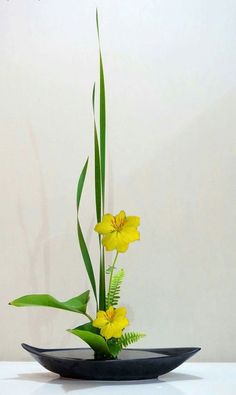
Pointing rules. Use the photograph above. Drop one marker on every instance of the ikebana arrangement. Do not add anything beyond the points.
(104, 333)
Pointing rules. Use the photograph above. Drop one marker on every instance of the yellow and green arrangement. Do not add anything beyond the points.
(105, 332)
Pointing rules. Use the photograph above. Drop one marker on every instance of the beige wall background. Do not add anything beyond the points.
(170, 78)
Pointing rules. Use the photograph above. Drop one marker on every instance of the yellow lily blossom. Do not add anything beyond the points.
(118, 231)
(111, 322)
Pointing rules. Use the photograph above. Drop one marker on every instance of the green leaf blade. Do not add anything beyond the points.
(102, 116)
(96, 342)
(88, 327)
(83, 246)
(97, 164)
(81, 183)
(77, 304)
(102, 128)
(114, 346)
(86, 258)
(102, 155)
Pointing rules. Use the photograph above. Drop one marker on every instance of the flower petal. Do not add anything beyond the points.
(121, 244)
(132, 221)
(107, 218)
(120, 218)
(129, 234)
(107, 331)
(120, 312)
(117, 333)
(101, 320)
(110, 313)
(121, 322)
(105, 226)
(110, 241)
(122, 247)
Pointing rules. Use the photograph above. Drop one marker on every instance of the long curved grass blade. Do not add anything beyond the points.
(83, 246)
(102, 113)
(102, 285)
(97, 164)
(102, 138)
(77, 304)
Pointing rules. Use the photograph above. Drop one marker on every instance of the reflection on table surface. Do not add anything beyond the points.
(23, 378)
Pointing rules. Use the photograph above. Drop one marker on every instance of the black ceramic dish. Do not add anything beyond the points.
(132, 364)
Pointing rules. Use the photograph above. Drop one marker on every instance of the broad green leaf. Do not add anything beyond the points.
(88, 327)
(96, 342)
(77, 304)
(102, 112)
(83, 246)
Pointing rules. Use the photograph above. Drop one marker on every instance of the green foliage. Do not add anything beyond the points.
(83, 246)
(110, 269)
(95, 341)
(77, 304)
(114, 294)
(87, 332)
(129, 338)
(100, 166)
(116, 345)
(98, 200)
(88, 327)
(97, 165)
(102, 113)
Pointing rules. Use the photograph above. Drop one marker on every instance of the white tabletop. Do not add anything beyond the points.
(29, 378)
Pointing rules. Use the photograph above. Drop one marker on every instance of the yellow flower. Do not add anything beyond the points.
(118, 231)
(111, 322)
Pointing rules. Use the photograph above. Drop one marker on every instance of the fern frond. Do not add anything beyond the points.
(116, 345)
(129, 338)
(114, 295)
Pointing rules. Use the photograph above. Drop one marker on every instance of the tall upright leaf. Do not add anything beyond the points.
(102, 130)
(102, 113)
(97, 172)
(83, 246)
(97, 164)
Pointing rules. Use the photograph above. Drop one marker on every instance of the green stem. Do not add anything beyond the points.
(111, 275)
(102, 285)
